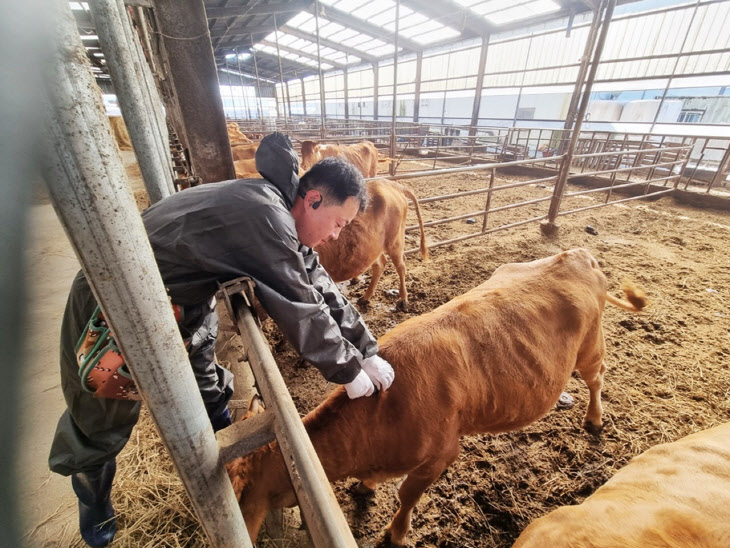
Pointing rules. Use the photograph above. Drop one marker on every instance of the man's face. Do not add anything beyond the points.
(315, 226)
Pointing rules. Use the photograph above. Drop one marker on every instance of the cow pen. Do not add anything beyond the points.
(666, 372)
(500, 180)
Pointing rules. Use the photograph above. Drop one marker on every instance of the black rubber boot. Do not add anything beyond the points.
(97, 522)
(221, 420)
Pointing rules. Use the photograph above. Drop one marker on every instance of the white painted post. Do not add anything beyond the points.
(131, 85)
(86, 181)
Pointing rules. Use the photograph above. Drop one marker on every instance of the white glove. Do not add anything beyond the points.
(379, 371)
(360, 386)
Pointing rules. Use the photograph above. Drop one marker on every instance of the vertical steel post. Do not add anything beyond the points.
(152, 93)
(587, 51)
(417, 95)
(195, 98)
(281, 76)
(376, 84)
(87, 185)
(304, 98)
(111, 21)
(395, 89)
(322, 112)
(258, 83)
(522, 84)
(347, 98)
(479, 88)
(549, 225)
(240, 83)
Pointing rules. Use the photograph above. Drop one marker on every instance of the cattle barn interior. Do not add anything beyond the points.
(523, 129)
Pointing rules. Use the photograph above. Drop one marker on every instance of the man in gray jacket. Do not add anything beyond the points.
(265, 229)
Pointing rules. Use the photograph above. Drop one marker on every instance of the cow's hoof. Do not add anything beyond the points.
(389, 539)
(355, 281)
(592, 428)
(361, 490)
(402, 306)
(362, 303)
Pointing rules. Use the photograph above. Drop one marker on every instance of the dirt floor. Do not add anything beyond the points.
(667, 371)
(667, 368)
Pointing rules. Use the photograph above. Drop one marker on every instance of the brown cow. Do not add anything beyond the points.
(235, 135)
(378, 231)
(246, 169)
(364, 155)
(492, 360)
(675, 495)
(244, 152)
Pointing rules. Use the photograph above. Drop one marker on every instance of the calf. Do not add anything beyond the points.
(492, 360)
(363, 155)
(675, 495)
(378, 231)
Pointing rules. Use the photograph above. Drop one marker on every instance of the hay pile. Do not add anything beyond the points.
(152, 507)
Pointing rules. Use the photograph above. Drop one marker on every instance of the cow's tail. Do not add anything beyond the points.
(412, 196)
(636, 298)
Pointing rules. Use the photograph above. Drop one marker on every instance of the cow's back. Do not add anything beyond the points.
(505, 349)
(675, 495)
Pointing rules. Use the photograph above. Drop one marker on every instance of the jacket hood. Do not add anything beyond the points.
(278, 163)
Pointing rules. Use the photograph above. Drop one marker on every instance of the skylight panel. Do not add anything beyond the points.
(356, 41)
(437, 35)
(385, 49)
(468, 3)
(492, 6)
(522, 12)
(344, 34)
(328, 29)
(371, 8)
(383, 18)
(412, 20)
(299, 18)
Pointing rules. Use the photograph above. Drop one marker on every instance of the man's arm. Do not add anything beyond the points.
(285, 290)
(352, 326)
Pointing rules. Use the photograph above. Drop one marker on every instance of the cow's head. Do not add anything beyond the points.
(260, 480)
(310, 154)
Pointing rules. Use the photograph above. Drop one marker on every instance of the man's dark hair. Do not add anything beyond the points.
(337, 180)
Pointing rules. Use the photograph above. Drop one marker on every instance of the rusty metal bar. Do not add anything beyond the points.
(325, 522)
(475, 235)
(562, 182)
(660, 193)
(489, 200)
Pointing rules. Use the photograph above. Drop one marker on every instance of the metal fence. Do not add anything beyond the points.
(639, 175)
(412, 144)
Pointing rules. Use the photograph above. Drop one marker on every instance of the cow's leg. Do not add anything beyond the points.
(594, 381)
(591, 368)
(411, 490)
(378, 267)
(400, 266)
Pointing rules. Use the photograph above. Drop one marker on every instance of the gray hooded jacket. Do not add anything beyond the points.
(221, 231)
